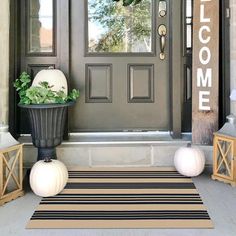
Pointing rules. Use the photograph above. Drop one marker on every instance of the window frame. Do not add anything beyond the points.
(153, 52)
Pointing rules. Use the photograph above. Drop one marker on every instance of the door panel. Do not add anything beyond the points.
(98, 83)
(140, 83)
(123, 87)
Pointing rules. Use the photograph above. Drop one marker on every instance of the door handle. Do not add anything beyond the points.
(162, 31)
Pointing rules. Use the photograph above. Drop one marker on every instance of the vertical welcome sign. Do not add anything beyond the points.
(205, 83)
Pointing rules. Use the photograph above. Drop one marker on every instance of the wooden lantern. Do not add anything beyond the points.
(11, 167)
(224, 153)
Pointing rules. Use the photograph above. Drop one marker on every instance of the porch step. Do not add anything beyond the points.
(116, 150)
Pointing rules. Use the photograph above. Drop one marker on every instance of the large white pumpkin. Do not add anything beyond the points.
(54, 77)
(189, 161)
(48, 178)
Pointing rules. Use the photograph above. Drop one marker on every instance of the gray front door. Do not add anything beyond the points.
(116, 64)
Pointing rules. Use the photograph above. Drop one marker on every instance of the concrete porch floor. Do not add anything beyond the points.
(219, 198)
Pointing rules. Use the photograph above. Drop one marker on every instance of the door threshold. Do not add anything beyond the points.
(115, 138)
(126, 138)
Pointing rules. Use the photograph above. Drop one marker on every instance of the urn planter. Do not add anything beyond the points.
(47, 127)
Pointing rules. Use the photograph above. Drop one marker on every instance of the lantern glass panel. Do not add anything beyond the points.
(11, 175)
(224, 158)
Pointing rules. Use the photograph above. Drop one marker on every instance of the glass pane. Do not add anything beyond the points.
(188, 84)
(188, 8)
(224, 164)
(188, 20)
(115, 28)
(189, 36)
(12, 183)
(41, 26)
(188, 25)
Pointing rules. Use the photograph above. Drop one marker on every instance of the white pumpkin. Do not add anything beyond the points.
(54, 77)
(48, 178)
(189, 161)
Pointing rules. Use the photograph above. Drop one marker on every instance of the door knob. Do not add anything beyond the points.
(162, 31)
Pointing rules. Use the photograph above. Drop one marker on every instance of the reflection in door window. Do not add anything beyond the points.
(188, 34)
(40, 26)
(189, 25)
(115, 28)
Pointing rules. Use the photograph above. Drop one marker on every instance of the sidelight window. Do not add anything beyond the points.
(41, 26)
(188, 25)
(188, 35)
(187, 22)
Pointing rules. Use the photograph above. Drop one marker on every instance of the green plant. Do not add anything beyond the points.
(41, 94)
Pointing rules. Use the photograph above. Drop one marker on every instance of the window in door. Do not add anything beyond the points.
(113, 28)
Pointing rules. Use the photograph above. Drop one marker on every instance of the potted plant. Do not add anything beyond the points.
(47, 106)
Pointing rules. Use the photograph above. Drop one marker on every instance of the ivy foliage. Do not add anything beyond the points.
(41, 94)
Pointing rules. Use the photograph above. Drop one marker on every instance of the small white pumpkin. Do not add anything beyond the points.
(189, 161)
(48, 178)
(54, 77)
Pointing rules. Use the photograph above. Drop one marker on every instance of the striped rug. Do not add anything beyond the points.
(123, 198)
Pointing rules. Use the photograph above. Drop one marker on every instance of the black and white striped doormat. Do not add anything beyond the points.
(123, 198)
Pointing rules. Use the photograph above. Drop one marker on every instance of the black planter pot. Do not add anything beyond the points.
(47, 127)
